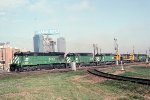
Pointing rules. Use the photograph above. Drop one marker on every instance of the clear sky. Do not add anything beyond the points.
(81, 22)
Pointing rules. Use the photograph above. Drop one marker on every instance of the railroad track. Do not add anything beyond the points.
(51, 70)
(61, 70)
(117, 77)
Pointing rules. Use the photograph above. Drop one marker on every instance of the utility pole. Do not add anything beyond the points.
(94, 48)
(147, 56)
(100, 50)
(97, 48)
(133, 49)
(132, 55)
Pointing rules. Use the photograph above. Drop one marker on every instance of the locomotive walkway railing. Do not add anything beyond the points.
(117, 77)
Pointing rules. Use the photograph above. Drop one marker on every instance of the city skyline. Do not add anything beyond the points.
(81, 22)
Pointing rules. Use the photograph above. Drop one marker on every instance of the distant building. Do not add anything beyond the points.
(61, 44)
(6, 56)
(38, 43)
(48, 43)
(43, 41)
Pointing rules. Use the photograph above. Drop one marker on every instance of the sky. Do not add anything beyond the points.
(81, 22)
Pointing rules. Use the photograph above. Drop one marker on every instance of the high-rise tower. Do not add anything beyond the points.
(61, 44)
(38, 43)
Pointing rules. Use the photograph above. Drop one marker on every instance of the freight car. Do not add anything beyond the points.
(33, 61)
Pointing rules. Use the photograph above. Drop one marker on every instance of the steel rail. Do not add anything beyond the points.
(122, 78)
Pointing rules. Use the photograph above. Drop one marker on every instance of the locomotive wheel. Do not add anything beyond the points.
(12, 68)
(16, 70)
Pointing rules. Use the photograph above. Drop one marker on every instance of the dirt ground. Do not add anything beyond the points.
(89, 78)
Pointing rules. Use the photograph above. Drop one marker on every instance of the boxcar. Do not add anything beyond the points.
(33, 61)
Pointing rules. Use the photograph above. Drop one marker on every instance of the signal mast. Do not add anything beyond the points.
(132, 57)
(117, 55)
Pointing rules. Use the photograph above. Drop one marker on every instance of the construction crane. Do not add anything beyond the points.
(49, 43)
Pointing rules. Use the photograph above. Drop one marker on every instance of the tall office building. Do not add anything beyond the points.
(38, 43)
(61, 44)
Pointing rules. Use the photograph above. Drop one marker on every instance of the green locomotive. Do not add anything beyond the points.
(142, 57)
(33, 61)
(104, 58)
(108, 58)
(81, 59)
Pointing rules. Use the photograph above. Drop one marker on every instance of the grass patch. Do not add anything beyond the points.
(66, 86)
(139, 71)
(131, 90)
(48, 86)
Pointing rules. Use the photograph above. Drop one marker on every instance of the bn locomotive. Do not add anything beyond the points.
(33, 60)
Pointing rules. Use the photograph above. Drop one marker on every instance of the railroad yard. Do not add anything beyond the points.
(75, 85)
(74, 50)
